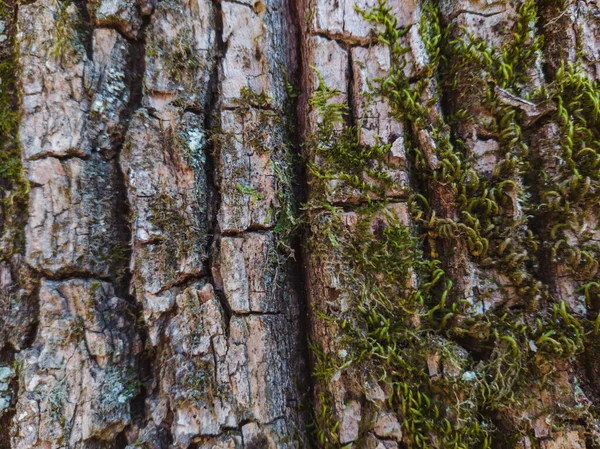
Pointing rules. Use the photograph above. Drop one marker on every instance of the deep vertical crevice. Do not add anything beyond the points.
(353, 120)
(302, 189)
(300, 135)
(136, 66)
(533, 179)
(212, 125)
(134, 79)
(85, 28)
(299, 274)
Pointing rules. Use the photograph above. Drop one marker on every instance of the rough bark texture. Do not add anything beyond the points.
(299, 223)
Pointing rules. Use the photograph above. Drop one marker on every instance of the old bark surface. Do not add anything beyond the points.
(299, 223)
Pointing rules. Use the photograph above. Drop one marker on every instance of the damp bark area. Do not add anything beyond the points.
(236, 224)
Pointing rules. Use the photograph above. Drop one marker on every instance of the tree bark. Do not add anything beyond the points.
(299, 223)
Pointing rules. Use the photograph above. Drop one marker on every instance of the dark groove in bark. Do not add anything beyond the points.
(546, 266)
(345, 40)
(439, 194)
(60, 157)
(248, 230)
(136, 67)
(212, 122)
(300, 9)
(86, 29)
(299, 274)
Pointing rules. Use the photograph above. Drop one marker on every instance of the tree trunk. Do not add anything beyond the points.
(299, 224)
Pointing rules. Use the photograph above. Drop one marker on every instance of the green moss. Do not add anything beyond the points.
(71, 33)
(254, 194)
(13, 185)
(400, 304)
(94, 287)
(249, 99)
(569, 193)
(336, 155)
(182, 59)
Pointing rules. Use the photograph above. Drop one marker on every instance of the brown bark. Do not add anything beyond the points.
(222, 228)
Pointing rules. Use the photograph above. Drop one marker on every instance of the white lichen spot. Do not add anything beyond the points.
(469, 376)
(196, 140)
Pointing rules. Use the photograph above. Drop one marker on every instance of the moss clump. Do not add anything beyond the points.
(254, 194)
(400, 307)
(13, 185)
(71, 33)
(569, 191)
(179, 232)
(182, 59)
(336, 155)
